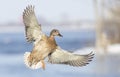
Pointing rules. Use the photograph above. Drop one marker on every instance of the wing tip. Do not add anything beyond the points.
(30, 7)
(91, 53)
(88, 58)
(28, 10)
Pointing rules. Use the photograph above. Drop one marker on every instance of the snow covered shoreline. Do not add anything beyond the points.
(111, 49)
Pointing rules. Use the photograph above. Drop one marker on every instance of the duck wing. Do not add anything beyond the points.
(60, 56)
(32, 27)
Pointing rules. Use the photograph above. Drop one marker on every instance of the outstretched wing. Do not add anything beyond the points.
(32, 27)
(60, 56)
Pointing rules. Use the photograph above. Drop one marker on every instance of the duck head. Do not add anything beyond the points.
(55, 32)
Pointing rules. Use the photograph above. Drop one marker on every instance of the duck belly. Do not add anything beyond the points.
(41, 51)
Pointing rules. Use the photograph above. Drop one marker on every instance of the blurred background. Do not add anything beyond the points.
(86, 25)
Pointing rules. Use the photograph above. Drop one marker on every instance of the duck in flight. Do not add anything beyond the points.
(46, 47)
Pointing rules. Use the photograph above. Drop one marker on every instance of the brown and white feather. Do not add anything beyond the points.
(60, 56)
(32, 27)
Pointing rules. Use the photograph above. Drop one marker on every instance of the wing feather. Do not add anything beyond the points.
(60, 56)
(32, 27)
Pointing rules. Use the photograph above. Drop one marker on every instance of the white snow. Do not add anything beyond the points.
(111, 49)
(114, 49)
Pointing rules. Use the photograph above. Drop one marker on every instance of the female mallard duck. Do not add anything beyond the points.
(46, 46)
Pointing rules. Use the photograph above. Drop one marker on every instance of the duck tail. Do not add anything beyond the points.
(27, 62)
(26, 58)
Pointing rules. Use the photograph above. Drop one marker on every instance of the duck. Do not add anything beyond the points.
(46, 46)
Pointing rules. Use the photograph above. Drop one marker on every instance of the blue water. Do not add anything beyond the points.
(16, 43)
(13, 46)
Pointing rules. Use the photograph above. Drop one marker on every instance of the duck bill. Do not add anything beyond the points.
(60, 35)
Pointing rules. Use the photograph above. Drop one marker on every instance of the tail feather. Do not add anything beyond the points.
(26, 61)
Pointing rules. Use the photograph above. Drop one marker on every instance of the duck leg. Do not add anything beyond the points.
(43, 64)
